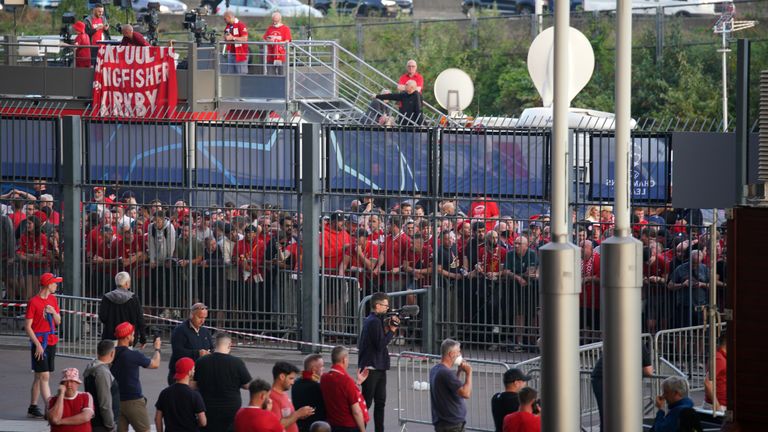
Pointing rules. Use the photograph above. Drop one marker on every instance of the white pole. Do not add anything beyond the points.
(560, 279)
(725, 80)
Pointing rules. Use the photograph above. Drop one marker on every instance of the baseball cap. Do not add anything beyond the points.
(536, 224)
(514, 374)
(183, 366)
(337, 216)
(123, 330)
(354, 219)
(49, 278)
(70, 374)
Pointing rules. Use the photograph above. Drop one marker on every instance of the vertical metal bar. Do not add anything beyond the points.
(621, 273)
(742, 117)
(71, 180)
(560, 280)
(311, 189)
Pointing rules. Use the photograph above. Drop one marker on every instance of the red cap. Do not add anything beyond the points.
(123, 330)
(183, 366)
(49, 278)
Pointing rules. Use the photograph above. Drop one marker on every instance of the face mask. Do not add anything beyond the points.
(458, 360)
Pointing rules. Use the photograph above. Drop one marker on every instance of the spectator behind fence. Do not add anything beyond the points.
(132, 37)
(190, 338)
(7, 253)
(162, 243)
(306, 391)
(121, 305)
(258, 415)
(70, 410)
(446, 392)
(41, 320)
(32, 254)
(720, 401)
(508, 401)
(675, 394)
(689, 281)
(411, 75)
(410, 100)
(101, 384)
(344, 403)
(125, 368)
(527, 418)
(179, 408)
(279, 35)
(219, 377)
(377, 333)
(590, 292)
(284, 375)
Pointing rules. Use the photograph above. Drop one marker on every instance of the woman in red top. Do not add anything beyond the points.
(82, 55)
(33, 255)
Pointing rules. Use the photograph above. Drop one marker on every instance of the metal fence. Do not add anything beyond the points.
(414, 404)
(209, 210)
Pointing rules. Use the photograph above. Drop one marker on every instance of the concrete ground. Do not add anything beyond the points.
(16, 379)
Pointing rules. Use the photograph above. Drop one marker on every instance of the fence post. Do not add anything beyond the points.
(417, 35)
(71, 176)
(360, 40)
(311, 189)
(659, 34)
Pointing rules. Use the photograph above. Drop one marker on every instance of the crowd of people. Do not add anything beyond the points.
(483, 264)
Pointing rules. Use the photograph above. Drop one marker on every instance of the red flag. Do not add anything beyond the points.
(132, 81)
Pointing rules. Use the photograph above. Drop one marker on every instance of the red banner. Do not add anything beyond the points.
(134, 81)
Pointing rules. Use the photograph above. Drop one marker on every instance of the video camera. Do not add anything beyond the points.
(65, 33)
(405, 313)
(150, 19)
(194, 22)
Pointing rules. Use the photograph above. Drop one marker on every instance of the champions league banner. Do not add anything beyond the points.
(134, 81)
(649, 172)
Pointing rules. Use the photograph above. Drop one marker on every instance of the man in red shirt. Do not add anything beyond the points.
(396, 245)
(590, 292)
(70, 410)
(237, 53)
(360, 258)
(284, 375)
(258, 415)
(418, 264)
(410, 74)
(344, 404)
(42, 318)
(527, 418)
(721, 378)
(335, 237)
(278, 34)
(132, 38)
(97, 28)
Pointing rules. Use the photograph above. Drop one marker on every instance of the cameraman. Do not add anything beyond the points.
(378, 331)
(132, 38)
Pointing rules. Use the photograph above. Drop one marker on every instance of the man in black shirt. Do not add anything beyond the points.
(219, 377)
(507, 402)
(179, 407)
(410, 100)
(377, 333)
(306, 391)
(190, 338)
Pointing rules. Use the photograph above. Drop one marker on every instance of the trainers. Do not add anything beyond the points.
(34, 412)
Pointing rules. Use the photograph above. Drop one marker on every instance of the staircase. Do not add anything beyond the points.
(333, 85)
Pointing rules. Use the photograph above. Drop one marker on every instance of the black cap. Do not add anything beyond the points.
(250, 229)
(514, 374)
(337, 216)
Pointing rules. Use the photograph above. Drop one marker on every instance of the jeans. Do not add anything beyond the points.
(442, 427)
(597, 389)
(375, 389)
(235, 67)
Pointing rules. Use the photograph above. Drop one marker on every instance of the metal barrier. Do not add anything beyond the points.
(686, 349)
(80, 329)
(340, 297)
(414, 395)
(410, 336)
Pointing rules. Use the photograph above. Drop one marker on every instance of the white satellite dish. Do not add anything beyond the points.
(454, 90)
(541, 67)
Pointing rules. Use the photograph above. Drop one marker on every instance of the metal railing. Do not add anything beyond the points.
(414, 404)
(686, 350)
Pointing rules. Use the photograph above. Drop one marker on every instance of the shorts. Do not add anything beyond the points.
(46, 364)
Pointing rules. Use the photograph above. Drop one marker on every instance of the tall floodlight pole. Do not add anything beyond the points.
(560, 279)
(724, 26)
(621, 272)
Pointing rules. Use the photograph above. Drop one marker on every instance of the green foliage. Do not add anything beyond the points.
(684, 82)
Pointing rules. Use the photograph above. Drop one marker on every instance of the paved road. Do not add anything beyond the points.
(16, 378)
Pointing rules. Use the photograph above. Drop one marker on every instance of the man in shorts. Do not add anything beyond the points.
(42, 318)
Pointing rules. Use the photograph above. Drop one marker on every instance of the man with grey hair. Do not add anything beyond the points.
(689, 282)
(410, 103)
(122, 305)
(675, 393)
(447, 392)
